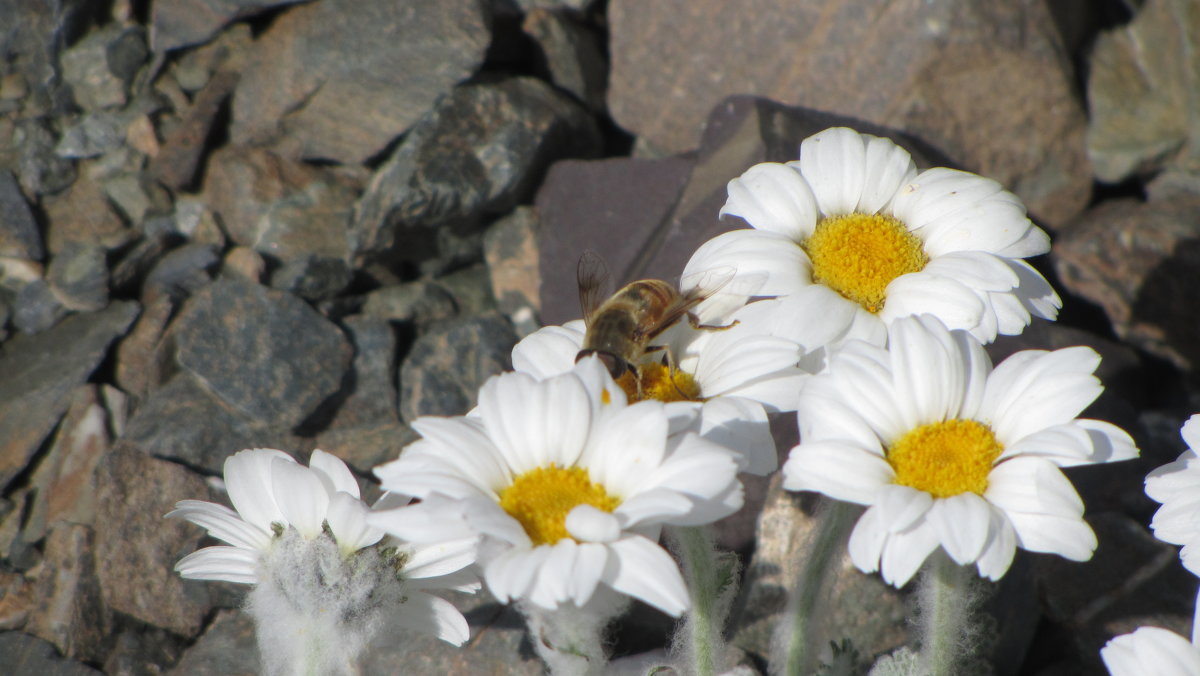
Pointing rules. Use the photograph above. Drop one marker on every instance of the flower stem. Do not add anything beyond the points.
(795, 634)
(569, 639)
(711, 577)
(947, 600)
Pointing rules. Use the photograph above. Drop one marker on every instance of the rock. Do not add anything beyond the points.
(17, 602)
(37, 308)
(266, 353)
(183, 271)
(862, 607)
(193, 68)
(931, 70)
(480, 151)
(136, 261)
(93, 135)
(385, 62)
(136, 548)
(446, 366)
(227, 647)
(182, 23)
(1139, 262)
(182, 421)
(577, 212)
(19, 233)
(511, 251)
(39, 170)
(100, 67)
(183, 148)
(246, 263)
(137, 197)
(313, 277)
(420, 302)
(195, 221)
(142, 649)
(371, 389)
(83, 214)
(64, 481)
(471, 289)
(1142, 118)
(1133, 579)
(34, 50)
(72, 614)
(571, 54)
(141, 364)
(369, 445)
(78, 276)
(31, 656)
(38, 375)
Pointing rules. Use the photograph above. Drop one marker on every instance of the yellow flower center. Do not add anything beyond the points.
(541, 498)
(858, 255)
(946, 458)
(655, 381)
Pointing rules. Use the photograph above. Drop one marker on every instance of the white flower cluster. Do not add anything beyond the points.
(860, 299)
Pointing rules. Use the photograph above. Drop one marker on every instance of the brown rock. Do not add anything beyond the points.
(179, 157)
(227, 648)
(571, 54)
(366, 446)
(1139, 262)
(932, 70)
(71, 614)
(136, 549)
(83, 214)
(141, 363)
(18, 598)
(340, 79)
(180, 23)
(511, 250)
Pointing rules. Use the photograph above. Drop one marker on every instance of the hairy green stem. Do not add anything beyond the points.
(947, 601)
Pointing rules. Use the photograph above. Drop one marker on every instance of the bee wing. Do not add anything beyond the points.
(720, 291)
(594, 283)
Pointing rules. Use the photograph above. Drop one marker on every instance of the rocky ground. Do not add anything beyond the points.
(299, 225)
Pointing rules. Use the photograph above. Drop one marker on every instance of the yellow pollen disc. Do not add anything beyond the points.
(858, 255)
(541, 498)
(655, 381)
(946, 458)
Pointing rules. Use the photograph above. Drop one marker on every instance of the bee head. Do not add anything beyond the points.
(616, 366)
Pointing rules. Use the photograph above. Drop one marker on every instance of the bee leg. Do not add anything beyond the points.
(694, 322)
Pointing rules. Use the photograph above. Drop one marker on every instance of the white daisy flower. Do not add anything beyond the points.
(722, 383)
(1177, 486)
(322, 575)
(947, 451)
(566, 485)
(853, 230)
(1151, 650)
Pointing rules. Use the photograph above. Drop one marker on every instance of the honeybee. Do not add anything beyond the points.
(620, 329)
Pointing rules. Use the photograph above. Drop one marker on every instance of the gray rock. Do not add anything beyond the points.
(183, 271)
(266, 353)
(100, 67)
(340, 79)
(511, 251)
(135, 262)
(366, 446)
(72, 614)
(137, 197)
(571, 54)
(931, 70)
(19, 233)
(93, 135)
(420, 302)
(136, 549)
(78, 276)
(37, 308)
(1143, 115)
(182, 23)
(371, 397)
(38, 375)
(446, 366)
(39, 169)
(28, 655)
(480, 151)
(471, 289)
(227, 647)
(313, 277)
(182, 421)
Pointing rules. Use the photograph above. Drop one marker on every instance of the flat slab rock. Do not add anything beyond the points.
(266, 353)
(39, 373)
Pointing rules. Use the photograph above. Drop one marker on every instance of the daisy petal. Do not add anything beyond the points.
(834, 164)
(347, 518)
(222, 523)
(248, 481)
(775, 198)
(961, 523)
(223, 564)
(430, 615)
(643, 570)
(755, 253)
(301, 496)
(333, 473)
(838, 470)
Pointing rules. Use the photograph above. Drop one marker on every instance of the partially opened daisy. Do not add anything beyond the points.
(1177, 486)
(325, 581)
(853, 234)
(567, 486)
(1151, 650)
(948, 452)
(731, 377)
